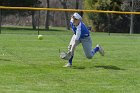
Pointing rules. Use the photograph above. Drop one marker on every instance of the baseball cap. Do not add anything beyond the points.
(77, 16)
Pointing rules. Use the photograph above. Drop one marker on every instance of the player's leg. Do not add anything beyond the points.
(87, 47)
(69, 64)
(101, 50)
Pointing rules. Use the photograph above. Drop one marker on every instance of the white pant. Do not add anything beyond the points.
(86, 43)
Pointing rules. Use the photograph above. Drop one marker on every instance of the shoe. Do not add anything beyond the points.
(101, 51)
(67, 65)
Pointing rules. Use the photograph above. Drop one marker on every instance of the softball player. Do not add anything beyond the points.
(81, 35)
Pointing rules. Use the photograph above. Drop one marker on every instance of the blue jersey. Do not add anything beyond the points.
(81, 30)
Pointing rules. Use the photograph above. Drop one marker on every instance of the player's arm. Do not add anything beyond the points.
(78, 32)
(77, 37)
(72, 25)
(71, 22)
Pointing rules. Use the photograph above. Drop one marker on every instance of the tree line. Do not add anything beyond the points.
(119, 23)
(99, 21)
(48, 16)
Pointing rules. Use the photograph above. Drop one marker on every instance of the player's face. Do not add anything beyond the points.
(76, 22)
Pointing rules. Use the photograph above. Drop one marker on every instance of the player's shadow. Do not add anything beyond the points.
(5, 60)
(110, 67)
(78, 67)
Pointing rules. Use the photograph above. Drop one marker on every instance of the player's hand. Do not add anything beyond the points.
(72, 20)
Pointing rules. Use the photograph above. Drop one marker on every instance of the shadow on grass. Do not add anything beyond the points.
(77, 67)
(110, 67)
(5, 60)
(31, 29)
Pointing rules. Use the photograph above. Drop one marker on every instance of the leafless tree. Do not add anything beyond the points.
(77, 7)
(33, 20)
(0, 19)
(64, 4)
(47, 15)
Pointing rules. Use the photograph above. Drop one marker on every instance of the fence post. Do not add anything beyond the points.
(38, 21)
(132, 19)
(109, 25)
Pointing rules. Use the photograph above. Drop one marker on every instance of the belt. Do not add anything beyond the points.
(87, 35)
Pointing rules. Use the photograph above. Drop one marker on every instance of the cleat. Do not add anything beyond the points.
(67, 65)
(101, 51)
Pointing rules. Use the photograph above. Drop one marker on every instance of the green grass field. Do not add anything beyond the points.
(29, 65)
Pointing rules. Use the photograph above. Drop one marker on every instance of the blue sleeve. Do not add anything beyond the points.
(73, 27)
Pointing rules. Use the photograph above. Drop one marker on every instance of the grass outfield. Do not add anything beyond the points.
(29, 65)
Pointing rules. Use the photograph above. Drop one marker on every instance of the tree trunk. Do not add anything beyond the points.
(77, 7)
(63, 2)
(33, 20)
(0, 19)
(77, 4)
(67, 20)
(47, 16)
